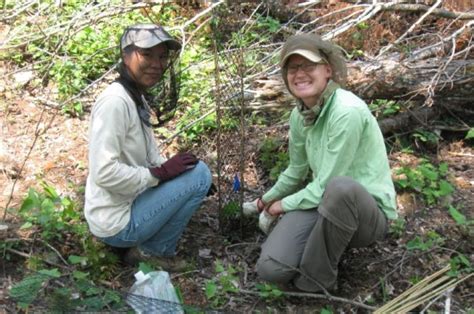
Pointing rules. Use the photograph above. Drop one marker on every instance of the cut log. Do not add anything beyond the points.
(395, 80)
(435, 91)
(392, 79)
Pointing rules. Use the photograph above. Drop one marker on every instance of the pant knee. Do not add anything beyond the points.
(339, 202)
(272, 271)
(342, 187)
(202, 174)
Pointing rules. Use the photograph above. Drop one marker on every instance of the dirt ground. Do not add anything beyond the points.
(38, 143)
(378, 273)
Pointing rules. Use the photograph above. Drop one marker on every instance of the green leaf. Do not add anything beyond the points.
(219, 267)
(418, 244)
(26, 291)
(443, 168)
(26, 225)
(50, 272)
(470, 134)
(145, 268)
(79, 274)
(457, 216)
(445, 188)
(30, 202)
(325, 311)
(74, 259)
(428, 173)
(50, 191)
(211, 289)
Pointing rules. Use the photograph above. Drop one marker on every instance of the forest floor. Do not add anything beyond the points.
(40, 144)
(372, 275)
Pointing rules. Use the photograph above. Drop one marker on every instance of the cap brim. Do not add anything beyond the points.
(153, 41)
(311, 56)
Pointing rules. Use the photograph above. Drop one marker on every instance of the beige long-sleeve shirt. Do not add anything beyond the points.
(121, 149)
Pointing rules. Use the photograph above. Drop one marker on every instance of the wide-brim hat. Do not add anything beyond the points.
(147, 36)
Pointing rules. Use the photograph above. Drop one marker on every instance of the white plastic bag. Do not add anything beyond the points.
(154, 285)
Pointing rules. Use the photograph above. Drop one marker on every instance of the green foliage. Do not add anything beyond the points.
(27, 290)
(70, 59)
(225, 282)
(81, 294)
(460, 264)
(273, 157)
(383, 288)
(415, 279)
(97, 259)
(384, 107)
(231, 209)
(397, 227)
(470, 134)
(426, 137)
(426, 179)
(145, 268)
(269, 292)
(53, 214)
(326, 310)
(418, 243)
(457, 216)
(57, 216)
(195, 93)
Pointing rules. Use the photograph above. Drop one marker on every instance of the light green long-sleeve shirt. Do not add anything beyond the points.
(345, 140)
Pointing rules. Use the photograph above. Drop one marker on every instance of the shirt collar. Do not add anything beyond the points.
(310, 115)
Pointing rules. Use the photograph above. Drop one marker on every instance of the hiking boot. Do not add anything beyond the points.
(168, 263)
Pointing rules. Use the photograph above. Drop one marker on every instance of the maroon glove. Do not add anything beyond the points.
(175, 166)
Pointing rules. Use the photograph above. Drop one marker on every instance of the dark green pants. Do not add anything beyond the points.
(306, 245)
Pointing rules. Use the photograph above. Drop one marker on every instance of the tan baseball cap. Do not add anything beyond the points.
(312, 56)
(147, 36)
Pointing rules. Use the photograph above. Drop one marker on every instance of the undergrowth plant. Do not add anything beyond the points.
(67, 55)
(273, 157)
(427, 179)
(59, 218)
(224, 283)
(460, 265)
(426, 242)
(269, 292)
(384, 108)
(46, 287)
(53, 214)
(397, 227)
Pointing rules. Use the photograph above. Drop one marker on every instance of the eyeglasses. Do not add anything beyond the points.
(305, 67)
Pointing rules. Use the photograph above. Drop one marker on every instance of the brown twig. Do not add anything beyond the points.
(26, 255)
(317, 296)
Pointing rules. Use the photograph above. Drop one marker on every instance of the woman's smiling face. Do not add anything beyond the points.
(307, 80)
(146, 66)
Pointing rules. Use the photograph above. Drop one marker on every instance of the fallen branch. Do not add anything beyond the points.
(412, 27)
(326, 294)
(26, 255)
(423, 8)
(316, 296)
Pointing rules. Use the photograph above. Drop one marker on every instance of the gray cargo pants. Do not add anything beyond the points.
(306, 245)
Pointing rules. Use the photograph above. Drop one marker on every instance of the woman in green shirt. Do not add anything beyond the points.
(350, 195)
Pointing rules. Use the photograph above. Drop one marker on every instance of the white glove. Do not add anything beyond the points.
(250, 208)
(265, 221)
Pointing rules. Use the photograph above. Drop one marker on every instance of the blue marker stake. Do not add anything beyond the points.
(236, 186)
